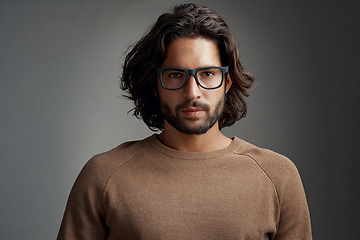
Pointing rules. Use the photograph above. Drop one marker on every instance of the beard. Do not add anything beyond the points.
(181, 124)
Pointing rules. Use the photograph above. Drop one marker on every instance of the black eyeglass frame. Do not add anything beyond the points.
(193, 72)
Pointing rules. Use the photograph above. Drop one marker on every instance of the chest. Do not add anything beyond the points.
(216, 202)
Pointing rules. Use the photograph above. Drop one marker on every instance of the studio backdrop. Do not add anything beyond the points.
(60, 101)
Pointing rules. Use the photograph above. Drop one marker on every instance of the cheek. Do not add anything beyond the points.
(214, 97)
(167, 97)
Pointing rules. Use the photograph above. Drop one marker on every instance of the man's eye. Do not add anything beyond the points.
(175, 75)
(207, 74)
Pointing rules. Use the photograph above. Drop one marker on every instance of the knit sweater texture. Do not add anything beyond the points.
(146, 190)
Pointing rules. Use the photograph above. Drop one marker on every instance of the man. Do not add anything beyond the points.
(190, 181)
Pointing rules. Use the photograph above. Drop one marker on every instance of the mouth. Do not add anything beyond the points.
(193, 112)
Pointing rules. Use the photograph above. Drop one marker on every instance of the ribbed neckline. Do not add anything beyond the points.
(154, 142)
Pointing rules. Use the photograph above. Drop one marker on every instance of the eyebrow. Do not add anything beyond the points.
(175, 66)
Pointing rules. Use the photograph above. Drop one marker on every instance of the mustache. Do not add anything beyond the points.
(191, 103)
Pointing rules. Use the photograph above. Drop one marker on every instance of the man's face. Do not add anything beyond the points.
(192, 109)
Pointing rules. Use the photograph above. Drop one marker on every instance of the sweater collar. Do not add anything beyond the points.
(232, 148)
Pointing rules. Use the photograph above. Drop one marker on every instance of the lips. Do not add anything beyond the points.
(193, 112)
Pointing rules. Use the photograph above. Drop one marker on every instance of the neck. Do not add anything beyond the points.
(212, 140)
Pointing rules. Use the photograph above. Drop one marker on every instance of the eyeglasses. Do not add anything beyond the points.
(177, 78)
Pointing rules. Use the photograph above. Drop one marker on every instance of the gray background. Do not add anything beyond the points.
(60, 102)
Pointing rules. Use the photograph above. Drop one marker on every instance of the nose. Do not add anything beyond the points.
(192, 89)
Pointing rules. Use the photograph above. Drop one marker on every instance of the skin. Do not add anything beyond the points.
(193, 53)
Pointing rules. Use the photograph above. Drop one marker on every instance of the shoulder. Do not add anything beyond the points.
(267, 159)
(279, 168)
(119, 155)
(100, 167)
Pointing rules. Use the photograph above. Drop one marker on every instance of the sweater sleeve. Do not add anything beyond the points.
(84, 216)
(294, 221)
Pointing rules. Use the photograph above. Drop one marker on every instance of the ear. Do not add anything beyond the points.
(228, 83)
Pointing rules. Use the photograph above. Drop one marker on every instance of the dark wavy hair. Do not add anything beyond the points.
(187, 20)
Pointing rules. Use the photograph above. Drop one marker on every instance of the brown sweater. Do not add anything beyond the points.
(145, 190)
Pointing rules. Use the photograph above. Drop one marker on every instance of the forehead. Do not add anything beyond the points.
(192, 53)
